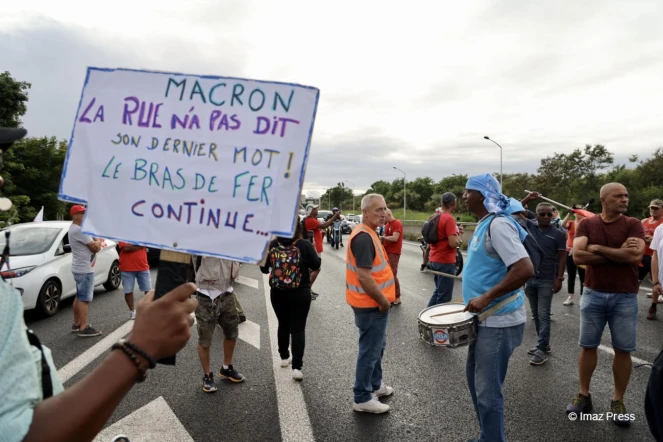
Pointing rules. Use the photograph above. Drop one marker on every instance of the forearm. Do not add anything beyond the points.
(514, 279)
(131, 248)
(371, 289)
(583, 257)
(391, 238)
(76, 414)
(626, 255)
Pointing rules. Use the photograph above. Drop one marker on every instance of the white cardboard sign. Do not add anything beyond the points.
(200, 164)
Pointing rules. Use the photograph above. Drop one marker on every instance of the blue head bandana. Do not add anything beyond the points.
(515, 206)
(487, 185)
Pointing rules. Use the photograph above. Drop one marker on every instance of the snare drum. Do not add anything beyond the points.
(450, 330)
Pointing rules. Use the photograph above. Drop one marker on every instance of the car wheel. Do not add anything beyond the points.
(48, 301)
(114, 277)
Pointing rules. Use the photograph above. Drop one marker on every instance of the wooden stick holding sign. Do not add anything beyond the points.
(173, 270)
(448, 275)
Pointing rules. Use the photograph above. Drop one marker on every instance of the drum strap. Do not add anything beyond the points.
(483, 315)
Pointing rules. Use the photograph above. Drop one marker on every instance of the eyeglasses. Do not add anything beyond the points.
(545, 214)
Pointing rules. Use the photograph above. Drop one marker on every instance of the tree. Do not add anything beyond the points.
(382, 187)
(13, 96)
(340, 197)
(32, 170)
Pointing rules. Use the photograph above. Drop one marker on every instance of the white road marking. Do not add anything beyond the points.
(293, 415)
(92, 353)
(249, 332)
(248, 281)
(633, 358)
(154, 421)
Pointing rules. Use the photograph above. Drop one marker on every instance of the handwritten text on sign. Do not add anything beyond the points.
(209, 165)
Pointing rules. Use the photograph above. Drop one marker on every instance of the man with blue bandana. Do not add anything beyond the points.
(497, 267)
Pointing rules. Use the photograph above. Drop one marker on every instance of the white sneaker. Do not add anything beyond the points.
(132, 316)
(648, 294)
(285, 362)
(569, 301)
(297, 374)
(383, 391)
(660, 298)
(372, 406)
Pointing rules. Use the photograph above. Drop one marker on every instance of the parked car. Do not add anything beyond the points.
(40, 264)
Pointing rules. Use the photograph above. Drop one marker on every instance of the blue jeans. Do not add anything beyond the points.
(619, 310)
(372, 327)
(84, 286)
(444, 287)
(487, 363)
(540, 294)
(129, 281)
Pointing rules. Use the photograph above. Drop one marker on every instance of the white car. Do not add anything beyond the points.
(40, 264)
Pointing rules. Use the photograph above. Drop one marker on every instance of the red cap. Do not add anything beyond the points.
(76, 209)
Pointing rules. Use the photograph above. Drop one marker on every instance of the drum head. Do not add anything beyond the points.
(428, 315)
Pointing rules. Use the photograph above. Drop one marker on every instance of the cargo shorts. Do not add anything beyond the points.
(222, 311)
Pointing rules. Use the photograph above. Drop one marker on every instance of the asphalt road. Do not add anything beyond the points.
(431, 401)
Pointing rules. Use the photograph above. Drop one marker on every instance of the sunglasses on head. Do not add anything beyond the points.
(545, 214)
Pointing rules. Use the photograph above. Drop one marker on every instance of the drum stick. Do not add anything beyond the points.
(448, 275)
(553, 201)
(447, 313)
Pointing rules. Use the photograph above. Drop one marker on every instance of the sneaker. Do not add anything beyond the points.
(660, 298)
(533, 350)
(383, 391)
(648, 294)
(297, 374)
(132, 316)
(89, 332)
(372, 406)
(242, 318)
(209, 386)
(75, 328)
(538, 358)
(397, 301)
(285, 362)
(619, 416)
(569, 301)
(231, 374)
(652, 312)
(580, 404)
(342, 245)
(314, 295)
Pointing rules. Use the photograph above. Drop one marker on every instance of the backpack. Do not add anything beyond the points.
(285, 263)
(429, 229)
(530, 243)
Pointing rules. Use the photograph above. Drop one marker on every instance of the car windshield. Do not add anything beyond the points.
(29, 240)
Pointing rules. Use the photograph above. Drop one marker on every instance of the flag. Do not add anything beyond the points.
(40, 216)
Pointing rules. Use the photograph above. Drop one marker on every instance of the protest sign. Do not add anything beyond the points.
(199, 164)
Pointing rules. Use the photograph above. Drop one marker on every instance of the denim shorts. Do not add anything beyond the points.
(84, 286)
(129, 281)
(619, 310)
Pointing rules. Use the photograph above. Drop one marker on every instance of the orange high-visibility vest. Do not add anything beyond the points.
(381, 273)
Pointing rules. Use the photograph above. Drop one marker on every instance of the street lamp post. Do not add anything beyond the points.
(501, 175)
(353, 195)
(404, 192)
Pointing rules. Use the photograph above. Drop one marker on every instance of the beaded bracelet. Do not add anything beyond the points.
(140, 351)
(143, 371)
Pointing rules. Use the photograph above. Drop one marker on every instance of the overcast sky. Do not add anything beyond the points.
(414, 85)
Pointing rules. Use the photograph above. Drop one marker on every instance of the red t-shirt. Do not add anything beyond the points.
(650, 225)
(389, 230)
(571, 235)
(135, 261)
(313, 224)
(611, 277)
(441, 251)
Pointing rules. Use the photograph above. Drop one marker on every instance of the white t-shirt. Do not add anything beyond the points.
(657, 246)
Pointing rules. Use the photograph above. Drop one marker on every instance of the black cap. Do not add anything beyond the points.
(9, 135)
(448, 197)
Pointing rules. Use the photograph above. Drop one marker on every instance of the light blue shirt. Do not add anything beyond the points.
(20, 369)
(488, 259)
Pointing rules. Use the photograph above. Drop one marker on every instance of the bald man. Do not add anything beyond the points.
(611, 246)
